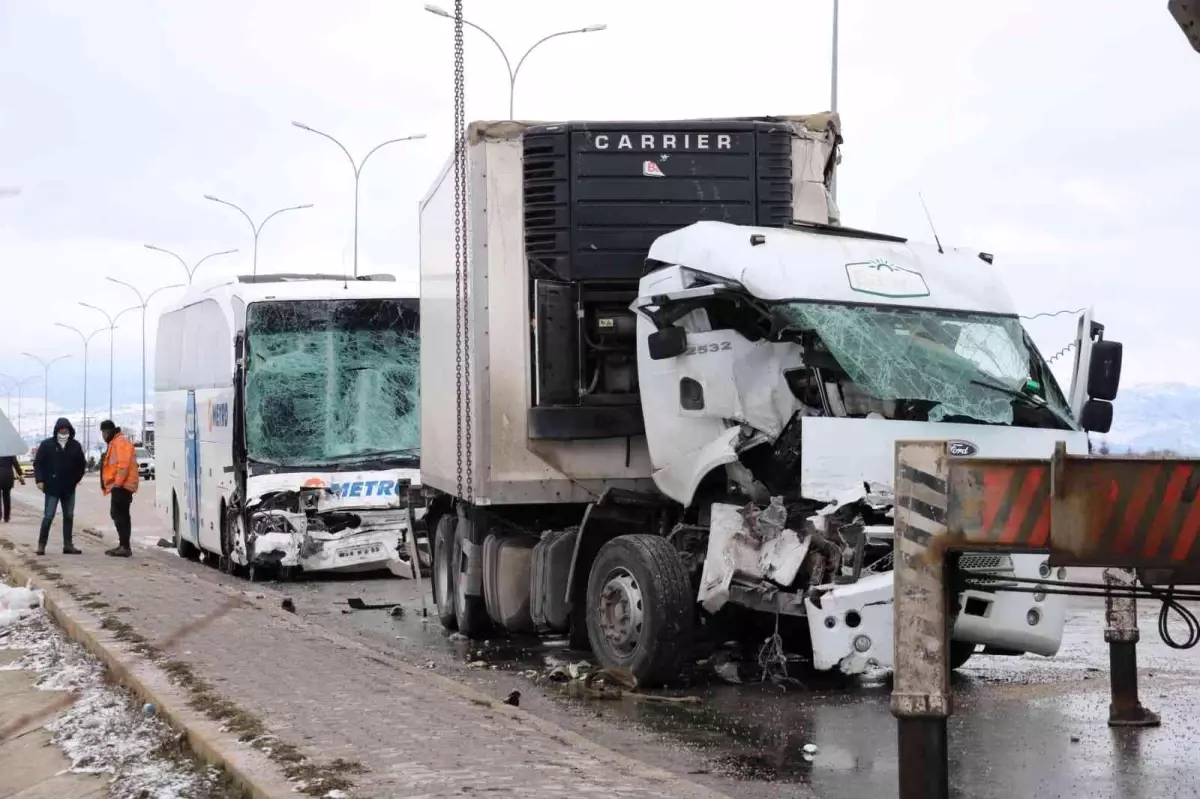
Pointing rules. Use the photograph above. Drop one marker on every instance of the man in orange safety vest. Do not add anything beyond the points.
(119, 480)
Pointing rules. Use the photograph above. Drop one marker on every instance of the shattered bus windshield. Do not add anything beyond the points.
(332, 382)
(962, 365)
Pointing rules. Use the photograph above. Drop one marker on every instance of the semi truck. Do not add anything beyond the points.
(661, 387)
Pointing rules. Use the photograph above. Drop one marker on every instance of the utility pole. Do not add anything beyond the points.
(112, 326)
(256, 228)
(45, 387)
(513, 72)
(357, 171)
(86, 340)
(144, 302)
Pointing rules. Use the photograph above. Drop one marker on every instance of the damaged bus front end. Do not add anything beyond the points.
(337, 523)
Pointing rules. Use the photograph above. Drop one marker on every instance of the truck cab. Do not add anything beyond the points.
(781, 366)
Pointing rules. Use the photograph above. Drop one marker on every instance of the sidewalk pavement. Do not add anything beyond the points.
(31, 766)
(282, 703)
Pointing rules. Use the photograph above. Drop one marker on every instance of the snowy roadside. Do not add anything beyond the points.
(106, 730)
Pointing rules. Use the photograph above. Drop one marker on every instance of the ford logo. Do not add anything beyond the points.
(962, 449)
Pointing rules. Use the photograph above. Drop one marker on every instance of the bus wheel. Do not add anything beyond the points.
(443, 571)
(640, 608)
(186, 549)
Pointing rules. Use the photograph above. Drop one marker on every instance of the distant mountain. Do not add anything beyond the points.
(1157, 416)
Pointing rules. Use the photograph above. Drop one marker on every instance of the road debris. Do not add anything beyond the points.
(357, 603)
(513, 698)
(288, 605)
(164, 543)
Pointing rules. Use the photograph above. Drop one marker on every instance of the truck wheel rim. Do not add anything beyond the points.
(620, 611)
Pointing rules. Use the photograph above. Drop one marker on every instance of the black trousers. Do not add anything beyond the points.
(6, 501)
(119, 510)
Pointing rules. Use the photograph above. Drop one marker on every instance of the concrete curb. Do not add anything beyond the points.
(251, 772)
(255, 773)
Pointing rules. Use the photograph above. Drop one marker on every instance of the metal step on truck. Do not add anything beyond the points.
(661, 388)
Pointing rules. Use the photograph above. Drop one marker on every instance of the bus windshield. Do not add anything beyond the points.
(333, 383)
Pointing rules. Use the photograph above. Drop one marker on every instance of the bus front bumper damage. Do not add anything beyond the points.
(315, 530)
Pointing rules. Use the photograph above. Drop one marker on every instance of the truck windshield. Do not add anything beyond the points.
(960, 365)
(333, 383)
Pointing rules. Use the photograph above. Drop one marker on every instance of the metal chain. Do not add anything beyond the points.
(459, 249)
(463, 224)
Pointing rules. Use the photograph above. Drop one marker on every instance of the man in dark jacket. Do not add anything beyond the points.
(58, 467)
(9, 469)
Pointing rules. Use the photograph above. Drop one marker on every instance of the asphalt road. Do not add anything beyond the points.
(1023, 727)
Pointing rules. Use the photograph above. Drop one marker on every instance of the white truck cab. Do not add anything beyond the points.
(788, 362)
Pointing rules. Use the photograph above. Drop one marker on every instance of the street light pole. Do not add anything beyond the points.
(112, 326)
(512, 73)
(145, 301)
(357, 171)
(86, 340)
(45, 388)
(191, 270)
(18, 384)
(257, 229)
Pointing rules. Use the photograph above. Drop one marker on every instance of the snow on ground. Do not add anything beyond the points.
(106, 731)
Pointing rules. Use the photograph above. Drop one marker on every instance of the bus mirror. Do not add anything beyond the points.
(1104, 371)
(669, 342)
(1097, 416)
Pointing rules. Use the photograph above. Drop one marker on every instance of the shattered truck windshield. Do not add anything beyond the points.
(332, 382)
(955, 366)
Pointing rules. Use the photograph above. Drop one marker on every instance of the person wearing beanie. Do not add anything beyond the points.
(119, 481)
(58, 467)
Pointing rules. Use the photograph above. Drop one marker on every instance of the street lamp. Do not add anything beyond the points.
(512, 73)
(191, 270)
(45, 388)
(112, 326)
(18, 384)
(145, 301)
(86, 340)
(257, 229)
(357, 171)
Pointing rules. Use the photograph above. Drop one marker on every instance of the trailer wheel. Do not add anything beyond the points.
(443, 571)
(640, 612)
(960, 653)
(470, 611)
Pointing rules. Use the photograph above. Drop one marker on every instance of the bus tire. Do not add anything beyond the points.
(444, 582)
(960, 653)
(469, 611)
(185, 548)
(640, 608)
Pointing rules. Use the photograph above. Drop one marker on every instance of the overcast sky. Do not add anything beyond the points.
(1058, 135)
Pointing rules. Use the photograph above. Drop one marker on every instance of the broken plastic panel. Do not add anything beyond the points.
(331, 381)
(919, 354)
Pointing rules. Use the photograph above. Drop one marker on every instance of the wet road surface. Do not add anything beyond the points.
(1023, 727)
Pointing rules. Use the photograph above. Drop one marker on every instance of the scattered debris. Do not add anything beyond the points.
(477, 664)
(1074, 739)
(430, 665)
(513, 698)
(358, 604)
(93, 532)
(398, 612)
(164, 543)
(456, 637)
(288, 605)
(809, 749)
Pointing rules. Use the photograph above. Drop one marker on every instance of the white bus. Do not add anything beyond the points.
(287, 422)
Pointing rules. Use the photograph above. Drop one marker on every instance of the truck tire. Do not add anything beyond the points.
(960, 653)
(444, 582)
(640, 608)
(469, 611)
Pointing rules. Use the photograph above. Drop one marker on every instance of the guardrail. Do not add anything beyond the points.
(1126, 514)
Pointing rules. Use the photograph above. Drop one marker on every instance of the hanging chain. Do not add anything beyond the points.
(462, 355)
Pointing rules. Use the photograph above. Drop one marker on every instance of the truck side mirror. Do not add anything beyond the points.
(670, 342)
(1104, 372)
(1097, 416)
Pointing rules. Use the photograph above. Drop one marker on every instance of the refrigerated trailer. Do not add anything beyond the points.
(680, 388)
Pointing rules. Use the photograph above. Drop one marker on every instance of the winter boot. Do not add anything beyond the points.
(119, 552)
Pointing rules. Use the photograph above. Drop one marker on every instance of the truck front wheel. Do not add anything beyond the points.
(640, 611)
(444, 570)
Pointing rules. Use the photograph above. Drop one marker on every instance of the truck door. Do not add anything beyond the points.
(191, 471)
